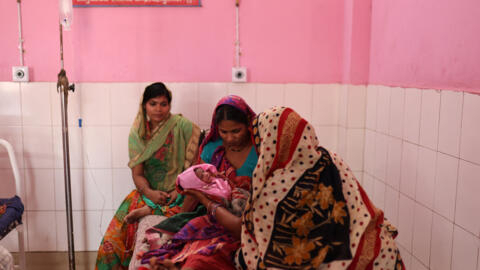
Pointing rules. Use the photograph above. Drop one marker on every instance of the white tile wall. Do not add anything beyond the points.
(416, 151)
(425, 187)
(95, 104)
(469, 144)
(269, 95)
(391, 204)
(10, 242)
(432, 173)
(441, 245)
(184, 100)
(357, 100)
(327, 136)
(371, 110)
(122, 185)
(208, 96)
(343, 105)
(381, 148)
(467, 198)
(397, 101)
(417, 265)
(77, 184)
(429, 119)
(383, 107)
(355, 141)
(120, 146)
(411, 115)
(406, 256)
(299, 98)
(36, 107)
(41, 231)
(379, 194)
(405, 221)
(446, 186)
(325, 106)
(465, 250)
(450, 122)
(75, 142)
(12, 134)
(97, 148)
(394, 159)
(369, 155)
(421, 233)
(408, 175)
(38, 147)
(40, 189)
(10, 104)
(125, 99)
(8, 183)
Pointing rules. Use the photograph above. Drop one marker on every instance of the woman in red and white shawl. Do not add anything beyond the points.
(307, 210)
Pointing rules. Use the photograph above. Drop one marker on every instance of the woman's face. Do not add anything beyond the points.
(157, 109)
(233, 134)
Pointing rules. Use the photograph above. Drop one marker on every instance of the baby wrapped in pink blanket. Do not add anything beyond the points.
(204, 178)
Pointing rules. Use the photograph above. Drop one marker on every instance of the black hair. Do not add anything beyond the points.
(155, 90)
(228, 112)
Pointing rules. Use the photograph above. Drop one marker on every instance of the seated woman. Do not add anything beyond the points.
(307, 210)
(208, 242)
(161, 146)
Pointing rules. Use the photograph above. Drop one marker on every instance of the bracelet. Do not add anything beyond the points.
(213, 211)
(142, 190)
(208, 206)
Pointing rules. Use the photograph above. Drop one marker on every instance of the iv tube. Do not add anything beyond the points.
(66, 13)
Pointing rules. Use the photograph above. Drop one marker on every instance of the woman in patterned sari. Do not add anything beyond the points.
(210, 241)
(161, 145)
(307, 210)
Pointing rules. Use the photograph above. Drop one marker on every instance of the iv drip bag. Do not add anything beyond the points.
(66, 13)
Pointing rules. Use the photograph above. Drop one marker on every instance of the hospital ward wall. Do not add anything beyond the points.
(405, 117)
(422, 161)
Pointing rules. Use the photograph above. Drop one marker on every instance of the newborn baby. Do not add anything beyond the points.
(205, 178)
(202, 177)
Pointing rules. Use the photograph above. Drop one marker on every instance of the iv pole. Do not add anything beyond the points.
(63, 87)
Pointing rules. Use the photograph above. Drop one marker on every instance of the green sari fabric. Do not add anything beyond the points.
(161, 171)
(165, 152)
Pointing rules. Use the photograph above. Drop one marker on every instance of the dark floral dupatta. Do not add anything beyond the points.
(307, 210)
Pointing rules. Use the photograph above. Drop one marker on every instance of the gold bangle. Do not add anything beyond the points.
(213, 211)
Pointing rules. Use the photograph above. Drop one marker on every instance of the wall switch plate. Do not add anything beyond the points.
(239, 74)
(20, 74)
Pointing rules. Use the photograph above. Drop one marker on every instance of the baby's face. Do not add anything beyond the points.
(203, 175)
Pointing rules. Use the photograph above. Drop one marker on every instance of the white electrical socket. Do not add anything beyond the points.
(20, 74)
(239, 74)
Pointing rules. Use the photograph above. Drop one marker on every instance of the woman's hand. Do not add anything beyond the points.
(198, 195)
(157, 196)
(173, 197)
(221, 175)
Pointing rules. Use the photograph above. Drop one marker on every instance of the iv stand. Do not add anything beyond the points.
(63, 87)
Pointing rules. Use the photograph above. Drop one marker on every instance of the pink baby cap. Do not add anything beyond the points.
(189, 180)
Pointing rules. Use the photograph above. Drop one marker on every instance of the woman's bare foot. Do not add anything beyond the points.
(137, 214)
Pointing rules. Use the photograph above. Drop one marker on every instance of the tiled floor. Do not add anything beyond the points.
(58, 260)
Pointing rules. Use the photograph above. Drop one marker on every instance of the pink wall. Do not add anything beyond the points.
(281, 42)
(426, 44)
(432, 44)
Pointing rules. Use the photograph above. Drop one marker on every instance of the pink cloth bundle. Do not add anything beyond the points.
(217, 187)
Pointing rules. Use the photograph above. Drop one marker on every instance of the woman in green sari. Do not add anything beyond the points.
(161, 145)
